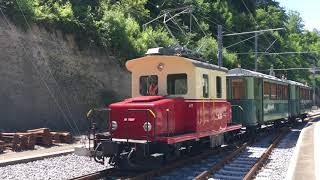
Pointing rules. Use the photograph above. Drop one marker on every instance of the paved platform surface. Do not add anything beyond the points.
(305, 163)
(32, 155)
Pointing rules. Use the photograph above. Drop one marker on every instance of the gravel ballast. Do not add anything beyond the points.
(62, 167)
(279, 160)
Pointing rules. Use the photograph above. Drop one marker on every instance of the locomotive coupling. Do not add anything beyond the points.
(108, 148)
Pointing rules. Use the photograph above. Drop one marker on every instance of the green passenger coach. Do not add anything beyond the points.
(258, 98)
(300, 102)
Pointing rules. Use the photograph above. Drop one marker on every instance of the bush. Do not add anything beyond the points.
(21, 12)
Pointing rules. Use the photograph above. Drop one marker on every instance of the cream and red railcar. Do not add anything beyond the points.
(176, 103)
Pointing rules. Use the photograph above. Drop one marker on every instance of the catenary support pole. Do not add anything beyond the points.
(314, 82)
(255, 51)
(220, 45)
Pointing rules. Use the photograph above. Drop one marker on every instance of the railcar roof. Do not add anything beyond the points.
(297, 83)
(245, 72)
(206, 65)
(196, 63)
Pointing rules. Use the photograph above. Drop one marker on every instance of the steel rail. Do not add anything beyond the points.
(220, 164)
(204, 175)
(253, 171)
(96, 175)
(178, 164)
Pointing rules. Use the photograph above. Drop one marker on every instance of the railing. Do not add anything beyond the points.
(92, 116)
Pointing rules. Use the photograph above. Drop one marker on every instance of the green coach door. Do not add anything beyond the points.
(258, 98)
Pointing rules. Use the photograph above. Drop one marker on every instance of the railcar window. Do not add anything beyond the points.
(281, 95)
(177, 84)
(273, 91)
(205, 86)
(301, 93)
(285, 92)
(279, 92)
(149, 85)
(266, 90)
(219, 87)
(238, 88)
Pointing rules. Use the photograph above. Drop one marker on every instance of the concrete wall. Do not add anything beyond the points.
(46, 81)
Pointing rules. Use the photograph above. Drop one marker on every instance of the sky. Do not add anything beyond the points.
(308, 9)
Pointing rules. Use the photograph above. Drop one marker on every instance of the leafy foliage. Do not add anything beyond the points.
(116, 26)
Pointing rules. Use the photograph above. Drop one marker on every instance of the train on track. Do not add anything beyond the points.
(180, 104)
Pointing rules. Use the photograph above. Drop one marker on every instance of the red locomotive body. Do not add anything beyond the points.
(170, 120)
(177, 104)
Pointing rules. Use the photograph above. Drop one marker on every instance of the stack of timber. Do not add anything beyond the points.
(18, 141)
(43, 136)
(27, 140)
(61, 137)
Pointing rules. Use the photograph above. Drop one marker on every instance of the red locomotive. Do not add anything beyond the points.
(177, 105)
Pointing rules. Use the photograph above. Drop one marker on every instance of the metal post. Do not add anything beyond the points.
(220, 45)
(314, 83)
(255, 51)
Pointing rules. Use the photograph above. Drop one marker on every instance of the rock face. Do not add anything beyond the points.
(46, 81)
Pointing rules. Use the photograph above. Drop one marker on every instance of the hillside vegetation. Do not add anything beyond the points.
(116, 26)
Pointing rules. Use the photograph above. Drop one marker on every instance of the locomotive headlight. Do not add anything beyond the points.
(114, 125)
(147, 126)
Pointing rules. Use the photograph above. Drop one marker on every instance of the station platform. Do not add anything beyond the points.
(38, 154)
(305, 163)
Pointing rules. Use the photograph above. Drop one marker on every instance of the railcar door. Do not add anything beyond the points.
(258, 92)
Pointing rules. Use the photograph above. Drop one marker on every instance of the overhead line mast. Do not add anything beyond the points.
(256, 34)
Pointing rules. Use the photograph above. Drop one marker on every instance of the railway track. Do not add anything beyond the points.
(241, 161)
(97, 175)
(114, 173)
(244, 162)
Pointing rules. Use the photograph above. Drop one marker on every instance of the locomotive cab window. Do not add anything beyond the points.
(205, 85)
(219, 87)
(149, 85)
(177, 84)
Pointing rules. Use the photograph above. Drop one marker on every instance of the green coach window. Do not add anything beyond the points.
(286, 92)
(273, 91)
(238, 88)
(266, 90)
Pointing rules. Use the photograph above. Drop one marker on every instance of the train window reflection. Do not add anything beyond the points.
(205, 85)
(177, 84)
(273, 91)
(238, 88)
(219, 86)
(149, 85)
(266, 90)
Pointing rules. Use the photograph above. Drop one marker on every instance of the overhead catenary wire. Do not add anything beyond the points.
(289, 69)
(215, 23)
(281, 53)
(254, 20)
(241, 41)
(167, 17)
(270, 45)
